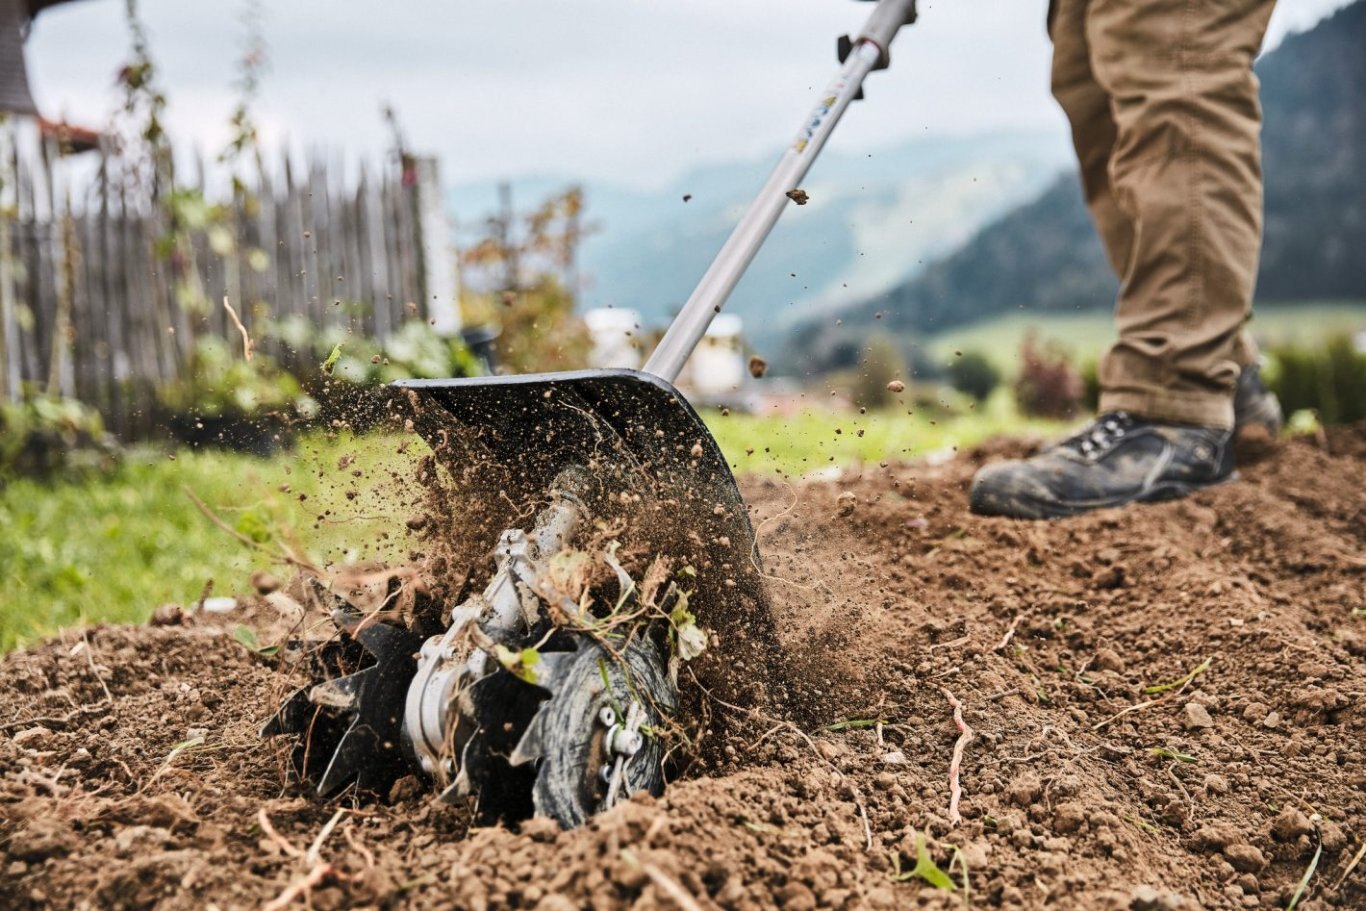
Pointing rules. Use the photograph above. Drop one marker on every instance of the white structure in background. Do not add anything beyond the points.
(616, 338)
(716, 370)
(438, 258)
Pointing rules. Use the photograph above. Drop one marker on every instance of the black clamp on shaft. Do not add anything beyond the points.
(844, 46)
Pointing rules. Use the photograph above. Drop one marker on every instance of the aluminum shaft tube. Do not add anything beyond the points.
(740, 248)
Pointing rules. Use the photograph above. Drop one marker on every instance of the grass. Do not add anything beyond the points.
(1085, 335)
(803, 443)
(113, 549)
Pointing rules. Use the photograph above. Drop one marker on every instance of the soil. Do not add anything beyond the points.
(1168, 703)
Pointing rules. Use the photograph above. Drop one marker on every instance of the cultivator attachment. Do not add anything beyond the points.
(555, 689)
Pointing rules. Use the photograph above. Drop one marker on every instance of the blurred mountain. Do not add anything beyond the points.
(1045, 256)
(873, 221)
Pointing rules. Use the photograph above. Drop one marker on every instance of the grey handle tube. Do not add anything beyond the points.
(740, 248)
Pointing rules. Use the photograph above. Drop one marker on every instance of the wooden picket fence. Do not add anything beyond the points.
(89, 288)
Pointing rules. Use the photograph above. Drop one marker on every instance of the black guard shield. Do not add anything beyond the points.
(657, 466)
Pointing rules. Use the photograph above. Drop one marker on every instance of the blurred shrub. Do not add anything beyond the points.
(1090, 382)
(45, 435)
(540, 331)
(1330, 381)
(974, 374)
(413, 351)
(220, 383)
(880, 364)
(1048, 385)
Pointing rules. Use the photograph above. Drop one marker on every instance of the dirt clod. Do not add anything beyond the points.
(1290, 825)
(1196, 717)
(1245, 858)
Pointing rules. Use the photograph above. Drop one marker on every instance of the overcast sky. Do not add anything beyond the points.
(635, 91)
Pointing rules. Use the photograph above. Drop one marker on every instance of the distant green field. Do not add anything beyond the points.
(1085, 335)
(809, 441)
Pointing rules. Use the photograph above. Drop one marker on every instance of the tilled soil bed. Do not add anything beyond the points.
(1168, 702)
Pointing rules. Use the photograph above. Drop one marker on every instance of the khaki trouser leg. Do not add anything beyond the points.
(1166, 122)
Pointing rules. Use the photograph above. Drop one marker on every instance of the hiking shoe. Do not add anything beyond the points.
(1254, 404)
(1116, 459)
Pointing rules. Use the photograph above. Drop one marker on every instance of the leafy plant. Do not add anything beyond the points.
(1165, 753)
(44, 435)
(973, 373)
(220, 384)
(1179, 682)
(521, 664)
(414, 351)
(925, 868)
(246, 637)
(1048, 386)
(1329, 380)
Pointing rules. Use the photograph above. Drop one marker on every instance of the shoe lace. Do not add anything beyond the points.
(1101, 435)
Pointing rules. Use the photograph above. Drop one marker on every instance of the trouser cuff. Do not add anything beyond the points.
(1213, 410)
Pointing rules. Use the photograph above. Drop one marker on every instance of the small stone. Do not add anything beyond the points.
(1290, 825)
(1245, 858)
(896, 386)
(1025, 789)
(1333, 836)
(1107, 659)
(265, 582)
(168, 615)
(553, 901)
(1217, 837)
(796, 897)
(697, 450)
(1196, 717)
(1254, 712)
(405, 788)
(895, 757)
(1069, 817)
(1146, 898)
(541, 828)
(1216, 783)
(1272, 720)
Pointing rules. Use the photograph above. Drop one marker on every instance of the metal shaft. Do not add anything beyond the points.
(740, 248)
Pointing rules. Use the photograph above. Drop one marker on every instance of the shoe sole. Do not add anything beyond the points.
(981, 503)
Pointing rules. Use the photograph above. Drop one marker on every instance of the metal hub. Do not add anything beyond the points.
(567, 735)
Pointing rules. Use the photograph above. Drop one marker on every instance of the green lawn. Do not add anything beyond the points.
(812, 440)
(116, 548)
(1085, 335)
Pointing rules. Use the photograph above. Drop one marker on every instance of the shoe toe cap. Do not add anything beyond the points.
(1009, 489)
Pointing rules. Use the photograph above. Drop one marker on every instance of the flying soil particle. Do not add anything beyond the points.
(799, 196)
(896, 386)
(757, 366)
